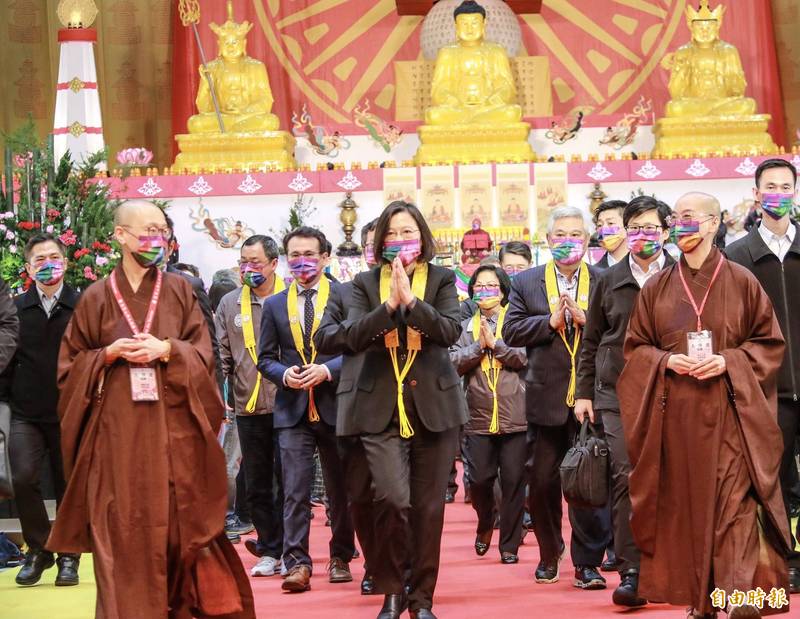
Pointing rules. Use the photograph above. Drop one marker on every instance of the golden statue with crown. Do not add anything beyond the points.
(708, 112)
(474, 116)
(234, 127)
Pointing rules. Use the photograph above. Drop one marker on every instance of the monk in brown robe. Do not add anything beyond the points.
(702, 433)
(140, 411)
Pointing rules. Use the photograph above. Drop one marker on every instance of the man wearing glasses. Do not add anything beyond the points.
(646, 224)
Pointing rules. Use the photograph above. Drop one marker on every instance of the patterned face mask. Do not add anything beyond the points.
(304, 269)
(777, 205)
(152, 251)
(611, 237)
(567, 251)
(686, 235)
(408, 250)
(251, 275)
(644, 245)
(50, 272)
(487, 298)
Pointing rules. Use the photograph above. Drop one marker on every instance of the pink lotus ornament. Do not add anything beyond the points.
(134, 157)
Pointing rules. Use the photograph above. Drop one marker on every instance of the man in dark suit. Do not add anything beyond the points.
(547, 312)
(305, 407)
(601, 361)
(331, 337)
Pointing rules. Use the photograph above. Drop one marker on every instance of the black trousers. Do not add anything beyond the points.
(261, 464)
(297, 446)
(488, 453)
(360, 494)
(620, 465)
(29, 444)
(410, 479)
(591, 528)
(452, 484)
(789, 422)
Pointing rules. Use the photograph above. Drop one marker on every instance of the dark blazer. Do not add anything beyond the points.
(601, 359)
(433, 381)
(467, 309)
(602, 264)
(527, 324)
(9, 325)
(29, 381)
(277, 353)
(781, 282)
(331, 338)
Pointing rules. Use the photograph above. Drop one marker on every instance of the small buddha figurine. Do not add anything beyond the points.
(707, 78)
(240, 83)
(472, 81)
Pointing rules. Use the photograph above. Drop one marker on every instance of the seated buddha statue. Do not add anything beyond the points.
(472, 81)
(706, 77)
(240, 83)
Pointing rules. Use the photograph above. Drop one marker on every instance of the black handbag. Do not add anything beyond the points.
(6, 488)
(584, 469)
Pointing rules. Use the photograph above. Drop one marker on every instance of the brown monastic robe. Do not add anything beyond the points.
(707, 508)
(146, 489)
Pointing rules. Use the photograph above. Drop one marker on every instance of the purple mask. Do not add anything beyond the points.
(408, 250)
(304, 269)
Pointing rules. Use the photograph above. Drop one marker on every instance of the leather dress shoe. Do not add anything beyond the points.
(298, 580)
(393, 606)
(422, 613)
(252, 547)
(482, 542)
(36, 562)
(794, 580)
(338, 571)
(587, 577)
(368, 585)
(627, 594)
(508, 558)
(67, 571)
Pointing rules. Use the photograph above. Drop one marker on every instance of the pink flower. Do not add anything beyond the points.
(134, 156)
(12, 249)
(9, 235)
(89, 274)
(50, 229)
(69, 238)
(101, 261)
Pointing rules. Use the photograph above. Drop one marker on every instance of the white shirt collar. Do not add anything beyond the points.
(769, 236)
(654, 267)
(56, 295)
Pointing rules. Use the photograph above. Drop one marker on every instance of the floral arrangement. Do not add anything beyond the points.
(69, 201)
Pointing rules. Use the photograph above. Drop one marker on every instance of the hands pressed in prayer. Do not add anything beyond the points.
(557, 320)
(487, 337)
(578, 315)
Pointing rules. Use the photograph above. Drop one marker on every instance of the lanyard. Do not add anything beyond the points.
(151, 311)
(490, 366)
(699, 310)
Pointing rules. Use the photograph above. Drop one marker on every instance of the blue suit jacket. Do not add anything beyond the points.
(277, 353)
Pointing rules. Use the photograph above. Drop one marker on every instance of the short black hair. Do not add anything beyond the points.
(770, 164)
(518, 248)
(307, 232)
(43, 237)
(469, 6)
(428, 249)
(502, 277)
(187, 268)
(366, 229)
(643, 204)
(267, 242)
(609, 205)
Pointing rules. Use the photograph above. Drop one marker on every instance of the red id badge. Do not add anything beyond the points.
(144, 385)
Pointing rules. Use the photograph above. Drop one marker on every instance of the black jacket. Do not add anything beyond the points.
(9, 327)
(435, 386)
(29, 382)
(601, 358)
(527, 324)
(781, 281)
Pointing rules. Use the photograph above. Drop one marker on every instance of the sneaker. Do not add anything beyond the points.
(627, 594)
(284, 570)
(234, 525)
(589, 578)
(547, 572)
(266, 566)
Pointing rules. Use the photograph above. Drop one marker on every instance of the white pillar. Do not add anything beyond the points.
(77, 123)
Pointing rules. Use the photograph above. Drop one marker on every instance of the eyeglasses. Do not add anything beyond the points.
(405, 233)
(514, 269)
(688, 218)
(164, 233)
(486, 286)
(647, 229)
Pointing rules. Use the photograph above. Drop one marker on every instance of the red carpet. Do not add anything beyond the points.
(469, 587)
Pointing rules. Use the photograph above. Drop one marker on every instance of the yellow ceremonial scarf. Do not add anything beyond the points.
(490, 365)
(323, 293)
(551, 287)
(413, 339)
(249, 334)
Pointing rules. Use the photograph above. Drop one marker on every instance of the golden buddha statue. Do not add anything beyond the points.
(708, 112)
(234, 127)
(474, 114)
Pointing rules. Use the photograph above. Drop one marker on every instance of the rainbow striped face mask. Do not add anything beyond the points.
(777, 205)
(644, 245)
(487, 298)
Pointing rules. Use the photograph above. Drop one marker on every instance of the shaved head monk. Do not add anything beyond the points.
(698, 404)
(140, 409)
